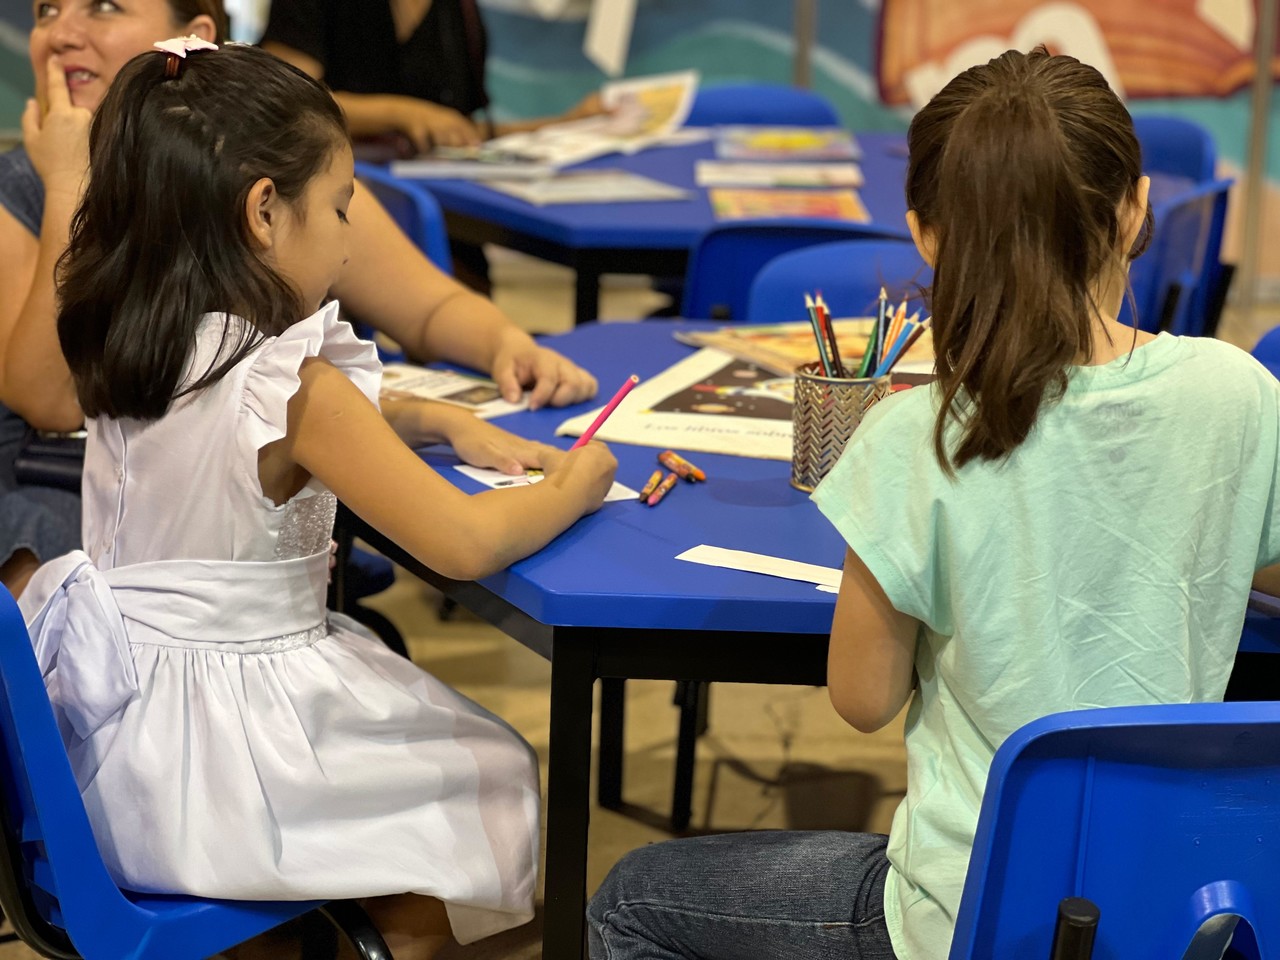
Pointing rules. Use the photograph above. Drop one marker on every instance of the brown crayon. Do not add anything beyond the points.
(652, 485)
(668, 482)
(680, 466)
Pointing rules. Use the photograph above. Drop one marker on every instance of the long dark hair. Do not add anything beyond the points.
(1019, 168)
(160, 238)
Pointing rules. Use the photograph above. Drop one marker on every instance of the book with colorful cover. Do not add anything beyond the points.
(733, 204)
(786, 143)
(781, 347)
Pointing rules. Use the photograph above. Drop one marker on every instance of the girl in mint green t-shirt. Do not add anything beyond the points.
(1070, 517)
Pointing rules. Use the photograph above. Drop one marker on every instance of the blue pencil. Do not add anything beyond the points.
(911, 330)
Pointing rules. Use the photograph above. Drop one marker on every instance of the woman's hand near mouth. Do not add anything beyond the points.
(57, 139)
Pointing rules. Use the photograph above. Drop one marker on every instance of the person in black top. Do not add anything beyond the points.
(410, 66)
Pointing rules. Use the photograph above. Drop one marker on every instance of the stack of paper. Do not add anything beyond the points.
(590, 186)
(717, 173)
(472, 163)
(786, 143)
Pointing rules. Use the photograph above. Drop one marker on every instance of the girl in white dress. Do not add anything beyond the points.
(230, 738)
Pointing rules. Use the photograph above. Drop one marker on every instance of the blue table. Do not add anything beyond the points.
(608, 600)
(647, 238)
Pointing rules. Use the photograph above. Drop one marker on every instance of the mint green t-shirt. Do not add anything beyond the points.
(1106, 562)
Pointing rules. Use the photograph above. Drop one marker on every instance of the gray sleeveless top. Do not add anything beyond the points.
(21, 192)
(43, 520)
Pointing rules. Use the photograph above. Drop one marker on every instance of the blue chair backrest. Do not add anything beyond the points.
(1174, 281)
(414, 210)
(762, 104)
(52, 872)
(728, 257)
(1176, 146)
(849, 273)
(1163, 816)
(1267, 350)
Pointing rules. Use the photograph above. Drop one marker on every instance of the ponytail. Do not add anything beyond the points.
(1018, 171)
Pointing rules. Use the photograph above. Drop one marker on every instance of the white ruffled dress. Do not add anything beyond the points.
(231, 739)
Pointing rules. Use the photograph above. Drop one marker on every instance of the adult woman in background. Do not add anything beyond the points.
(415, 67)
(76, 48)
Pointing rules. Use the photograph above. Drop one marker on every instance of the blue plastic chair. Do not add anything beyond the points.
(414, 210)
(762, 104)
(54, 886)
(728, 257)
(1163, 816)
(1176, 146)
(849, 273)
(1267, 350)
(1176, 283)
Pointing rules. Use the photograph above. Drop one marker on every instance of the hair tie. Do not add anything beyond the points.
(179, 47)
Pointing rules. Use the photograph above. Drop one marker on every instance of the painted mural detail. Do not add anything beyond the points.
(1174, 48)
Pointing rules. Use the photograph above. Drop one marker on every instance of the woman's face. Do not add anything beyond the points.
(92, 39)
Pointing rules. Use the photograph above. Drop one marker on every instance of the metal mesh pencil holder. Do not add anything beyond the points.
(827, 411)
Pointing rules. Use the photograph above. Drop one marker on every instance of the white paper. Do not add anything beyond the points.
(826, 578)
(609, 34)
(476, 394)
(499, 480)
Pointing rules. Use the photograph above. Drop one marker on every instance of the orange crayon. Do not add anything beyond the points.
(680, 466)
(663, 489)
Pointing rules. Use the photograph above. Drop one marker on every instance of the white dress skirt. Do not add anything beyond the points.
(230, 738)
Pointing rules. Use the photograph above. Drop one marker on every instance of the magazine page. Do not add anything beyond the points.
(734, 204)
(476, 394)
(644, 112)
(710, 402)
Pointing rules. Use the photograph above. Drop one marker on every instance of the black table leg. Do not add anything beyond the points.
(568, 800)
(686, 751)
(613, 705)
(586, 300)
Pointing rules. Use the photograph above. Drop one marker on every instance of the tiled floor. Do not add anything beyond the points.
(774, 756)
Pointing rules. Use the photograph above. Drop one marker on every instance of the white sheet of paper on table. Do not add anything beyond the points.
(827, 579)
(499, 480)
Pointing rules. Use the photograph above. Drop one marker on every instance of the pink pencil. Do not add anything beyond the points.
(583, 440)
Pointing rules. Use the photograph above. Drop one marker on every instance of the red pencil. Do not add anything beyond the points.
(583, 440)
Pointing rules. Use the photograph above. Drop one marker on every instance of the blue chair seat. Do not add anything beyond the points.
(54, 886)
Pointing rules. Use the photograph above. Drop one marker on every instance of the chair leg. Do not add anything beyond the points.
(350, 918)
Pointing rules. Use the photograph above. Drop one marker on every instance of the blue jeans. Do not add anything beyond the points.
(792, 894)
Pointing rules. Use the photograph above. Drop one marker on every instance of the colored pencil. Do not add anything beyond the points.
(911, 332)
(895, 328)
(824, 315)
(583, 440)
(873, 342)
(823, 359)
